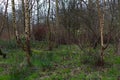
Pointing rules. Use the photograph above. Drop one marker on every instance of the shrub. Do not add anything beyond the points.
(43, 60)
(91, 56)
(59, 36)
(8, 44)
(40, 33)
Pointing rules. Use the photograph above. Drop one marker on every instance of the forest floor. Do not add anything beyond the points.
(67, 62)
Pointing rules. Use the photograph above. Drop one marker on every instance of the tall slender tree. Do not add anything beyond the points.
(57, 14)
(101, 22)
(27, 31)
(38, 11)
(23, 13)
(4, 17)
(26, 46)
(2, 26)
(49, 28)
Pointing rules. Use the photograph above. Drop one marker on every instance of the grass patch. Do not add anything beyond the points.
(67, 62)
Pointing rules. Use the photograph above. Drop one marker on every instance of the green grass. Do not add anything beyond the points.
(63, 63)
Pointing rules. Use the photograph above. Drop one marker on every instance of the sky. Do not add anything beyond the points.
(9, 9)
(3, 2)
(17, 2)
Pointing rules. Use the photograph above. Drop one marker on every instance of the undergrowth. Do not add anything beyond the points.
(67, 62)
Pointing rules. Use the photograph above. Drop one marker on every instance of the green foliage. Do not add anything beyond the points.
(9, 44)
(1, 69)
(91, 56)
(32, 76)
(5, 77)
(67, 62)
(18, 74)
(44, 60)
(24, 73)
(39, 44)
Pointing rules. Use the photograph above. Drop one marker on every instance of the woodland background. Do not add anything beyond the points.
(60, 40)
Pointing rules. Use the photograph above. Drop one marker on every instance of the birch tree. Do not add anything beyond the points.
(26, 46)
(27, 31)
(101, 23)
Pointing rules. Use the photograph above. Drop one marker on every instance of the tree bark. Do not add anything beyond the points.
(57, 14)
(27, 31)
(25, 47)
(49, 28)
(2, 27)
(101, 19)
(23, 13)
(14, 20)
(38, 12)
(4, 16)
(118, 47)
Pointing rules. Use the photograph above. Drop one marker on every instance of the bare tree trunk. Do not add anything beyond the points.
(57, 14)
(49, 28)
(23, 13)
(8, 28)
(25, 47)
(31, 23)
(38, 12)
(2, 27)
(27, 31)
(81, 5)
(118, 47)
(16, 34)
(101, 19)
(118, 34)
(3, 22)
(14, 20)
(57, 32)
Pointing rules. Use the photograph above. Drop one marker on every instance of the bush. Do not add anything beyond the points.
(43, 60)
(59, 36)
(91, 56)
(8, 44)
(40, 33)
(18, 73)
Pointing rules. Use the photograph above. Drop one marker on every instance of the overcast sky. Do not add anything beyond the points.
(3, 3)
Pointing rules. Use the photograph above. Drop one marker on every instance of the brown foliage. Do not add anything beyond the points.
(58, 35)
(40, 32)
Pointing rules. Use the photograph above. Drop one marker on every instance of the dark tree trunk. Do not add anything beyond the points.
(2, 54)
(118, 47)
